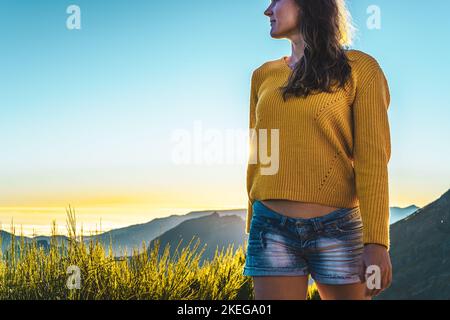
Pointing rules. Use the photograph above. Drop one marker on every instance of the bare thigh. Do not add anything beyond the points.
(354, 291)
(280, 287)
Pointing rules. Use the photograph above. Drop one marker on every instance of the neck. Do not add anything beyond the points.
(298, 50)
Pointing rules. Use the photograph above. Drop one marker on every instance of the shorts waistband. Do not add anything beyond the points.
(341, 214)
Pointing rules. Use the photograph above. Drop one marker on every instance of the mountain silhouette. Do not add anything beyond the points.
(420, 253)
(397, 213)
(213, 232)
(124, 240)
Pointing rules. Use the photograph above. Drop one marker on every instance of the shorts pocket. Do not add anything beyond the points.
(344, 227)
(350, 226)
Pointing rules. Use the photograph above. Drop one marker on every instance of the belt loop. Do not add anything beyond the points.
(283, 220)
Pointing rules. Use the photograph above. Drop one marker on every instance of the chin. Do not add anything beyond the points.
(275, 35)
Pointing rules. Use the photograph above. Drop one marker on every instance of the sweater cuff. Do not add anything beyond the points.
(377, 234)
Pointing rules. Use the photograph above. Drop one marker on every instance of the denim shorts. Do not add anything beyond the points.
(328, 247)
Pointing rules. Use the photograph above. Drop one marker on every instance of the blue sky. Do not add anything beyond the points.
(86, 116)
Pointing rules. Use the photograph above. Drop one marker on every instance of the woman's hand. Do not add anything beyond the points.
(376, 255)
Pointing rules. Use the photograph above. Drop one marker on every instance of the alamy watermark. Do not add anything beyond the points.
(374, 19)
(73, 21)
(74, 278)
(373, 277)
(201, 146)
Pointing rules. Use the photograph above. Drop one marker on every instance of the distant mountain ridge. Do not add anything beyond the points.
(132, 236)
(214, 232)
(126, 238)
(398, 213)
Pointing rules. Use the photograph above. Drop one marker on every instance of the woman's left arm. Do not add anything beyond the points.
(371, 154)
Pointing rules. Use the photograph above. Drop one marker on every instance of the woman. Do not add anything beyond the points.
(324, 210)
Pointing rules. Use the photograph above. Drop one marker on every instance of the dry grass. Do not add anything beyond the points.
(27, 271)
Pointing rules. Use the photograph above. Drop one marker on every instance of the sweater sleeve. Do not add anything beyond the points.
(371, 154)
(251, 167)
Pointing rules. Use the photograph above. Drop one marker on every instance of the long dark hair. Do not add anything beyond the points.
(327, 31)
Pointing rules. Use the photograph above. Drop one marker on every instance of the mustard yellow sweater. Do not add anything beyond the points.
(333, 148)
